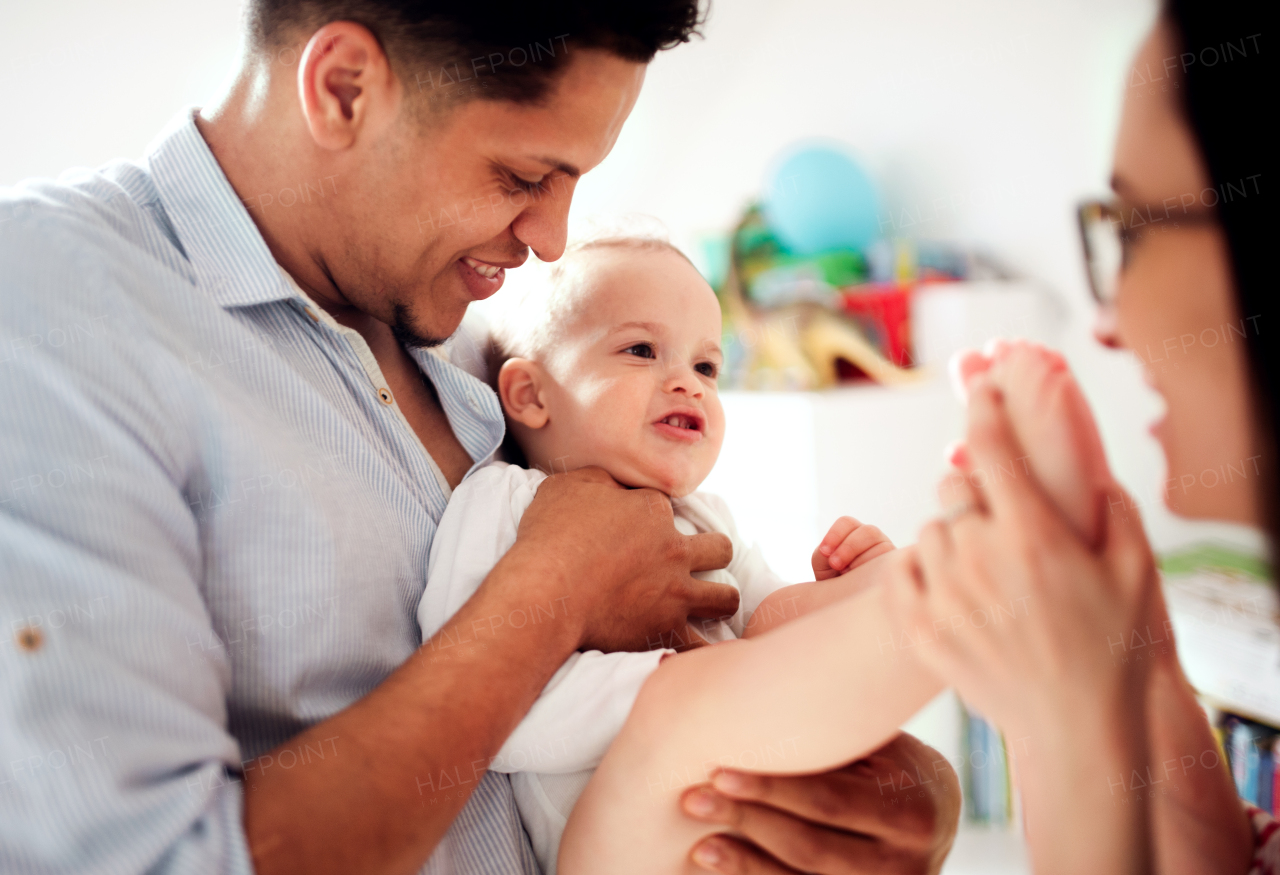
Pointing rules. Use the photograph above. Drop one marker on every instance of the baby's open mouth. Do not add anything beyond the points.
(685, 425)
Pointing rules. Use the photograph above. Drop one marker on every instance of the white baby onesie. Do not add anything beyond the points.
(553, 752)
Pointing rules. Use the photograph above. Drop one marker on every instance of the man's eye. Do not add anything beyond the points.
(525, 184)
(707, 369)
(643, 350)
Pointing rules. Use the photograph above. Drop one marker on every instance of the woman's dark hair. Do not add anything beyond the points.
(491, 49)
(1226, 94)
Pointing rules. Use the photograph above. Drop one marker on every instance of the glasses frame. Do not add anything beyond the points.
(1128, 234)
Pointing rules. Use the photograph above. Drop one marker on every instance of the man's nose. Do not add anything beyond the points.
(543, 225)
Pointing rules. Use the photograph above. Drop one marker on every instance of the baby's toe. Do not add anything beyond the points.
(963, 368)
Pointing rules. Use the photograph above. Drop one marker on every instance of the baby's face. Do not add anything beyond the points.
(632, 380)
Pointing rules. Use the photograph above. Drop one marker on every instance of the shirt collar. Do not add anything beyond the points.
(230, 259)
(233, 264)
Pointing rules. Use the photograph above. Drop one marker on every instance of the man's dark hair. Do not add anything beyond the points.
(492, 50)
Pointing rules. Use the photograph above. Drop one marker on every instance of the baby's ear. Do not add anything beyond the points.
(520, 388)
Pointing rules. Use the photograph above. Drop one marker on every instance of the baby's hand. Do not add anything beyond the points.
(847, 545)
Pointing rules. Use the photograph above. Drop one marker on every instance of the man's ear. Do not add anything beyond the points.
(520, 388)
(345, 84)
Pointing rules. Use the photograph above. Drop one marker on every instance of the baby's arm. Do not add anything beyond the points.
(842, 567)
(810, 695)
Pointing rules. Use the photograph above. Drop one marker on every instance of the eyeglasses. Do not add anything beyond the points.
(1110, 231)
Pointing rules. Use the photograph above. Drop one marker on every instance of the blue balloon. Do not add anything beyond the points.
(819, 199)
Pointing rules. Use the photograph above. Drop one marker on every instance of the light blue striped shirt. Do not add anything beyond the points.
(214, 523)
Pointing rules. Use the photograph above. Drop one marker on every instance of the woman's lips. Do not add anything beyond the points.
(482, 279)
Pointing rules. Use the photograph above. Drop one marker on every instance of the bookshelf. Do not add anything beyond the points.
(1224, 613)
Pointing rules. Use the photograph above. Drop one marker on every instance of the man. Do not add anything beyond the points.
(227, 445)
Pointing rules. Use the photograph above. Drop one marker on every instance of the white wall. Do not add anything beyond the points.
(987, 120)
(87, 81)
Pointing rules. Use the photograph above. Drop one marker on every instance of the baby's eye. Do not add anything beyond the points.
(707, 369)
(643, 350)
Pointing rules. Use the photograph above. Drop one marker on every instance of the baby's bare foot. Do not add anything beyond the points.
(1052, 422)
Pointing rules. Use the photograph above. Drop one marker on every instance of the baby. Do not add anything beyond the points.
(613, 363)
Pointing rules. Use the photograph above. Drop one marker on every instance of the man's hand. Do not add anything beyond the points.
(848, 544)
(894, 811)
(615, 555)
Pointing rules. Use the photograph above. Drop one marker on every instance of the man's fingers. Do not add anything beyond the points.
(790, 840)
(711, 601)
(723, 853)
(840, 800)
(709, 551)
(591, 475)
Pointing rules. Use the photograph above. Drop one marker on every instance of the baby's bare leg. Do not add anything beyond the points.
(806, 697)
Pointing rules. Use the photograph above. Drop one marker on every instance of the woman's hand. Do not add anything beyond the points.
(1032, 627)
(1014, 609)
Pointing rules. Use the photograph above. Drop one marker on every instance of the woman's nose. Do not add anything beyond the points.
(1106, 328)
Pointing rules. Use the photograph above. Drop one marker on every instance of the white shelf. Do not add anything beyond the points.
(1228, 641)
(988, 851)
(793, 462)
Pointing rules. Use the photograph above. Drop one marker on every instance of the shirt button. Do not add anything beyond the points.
(385, 394)
(30, 638)
(471, 400)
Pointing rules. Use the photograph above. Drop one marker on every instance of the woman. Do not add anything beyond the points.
(1101, 771)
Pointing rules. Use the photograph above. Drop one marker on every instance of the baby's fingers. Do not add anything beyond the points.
(839, 530)
(863, 544)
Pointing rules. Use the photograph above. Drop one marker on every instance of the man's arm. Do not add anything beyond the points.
(615, 558)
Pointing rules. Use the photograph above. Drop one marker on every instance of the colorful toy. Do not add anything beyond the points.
(819, 199)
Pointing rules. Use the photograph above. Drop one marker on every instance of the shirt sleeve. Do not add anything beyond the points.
(114, 749)
(587, 700)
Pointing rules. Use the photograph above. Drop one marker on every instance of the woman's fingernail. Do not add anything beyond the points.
(701, 802)
(711, 854)
(825, 550)
(735, 783)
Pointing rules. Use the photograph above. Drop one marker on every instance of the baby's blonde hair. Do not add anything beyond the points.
(530, 324)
